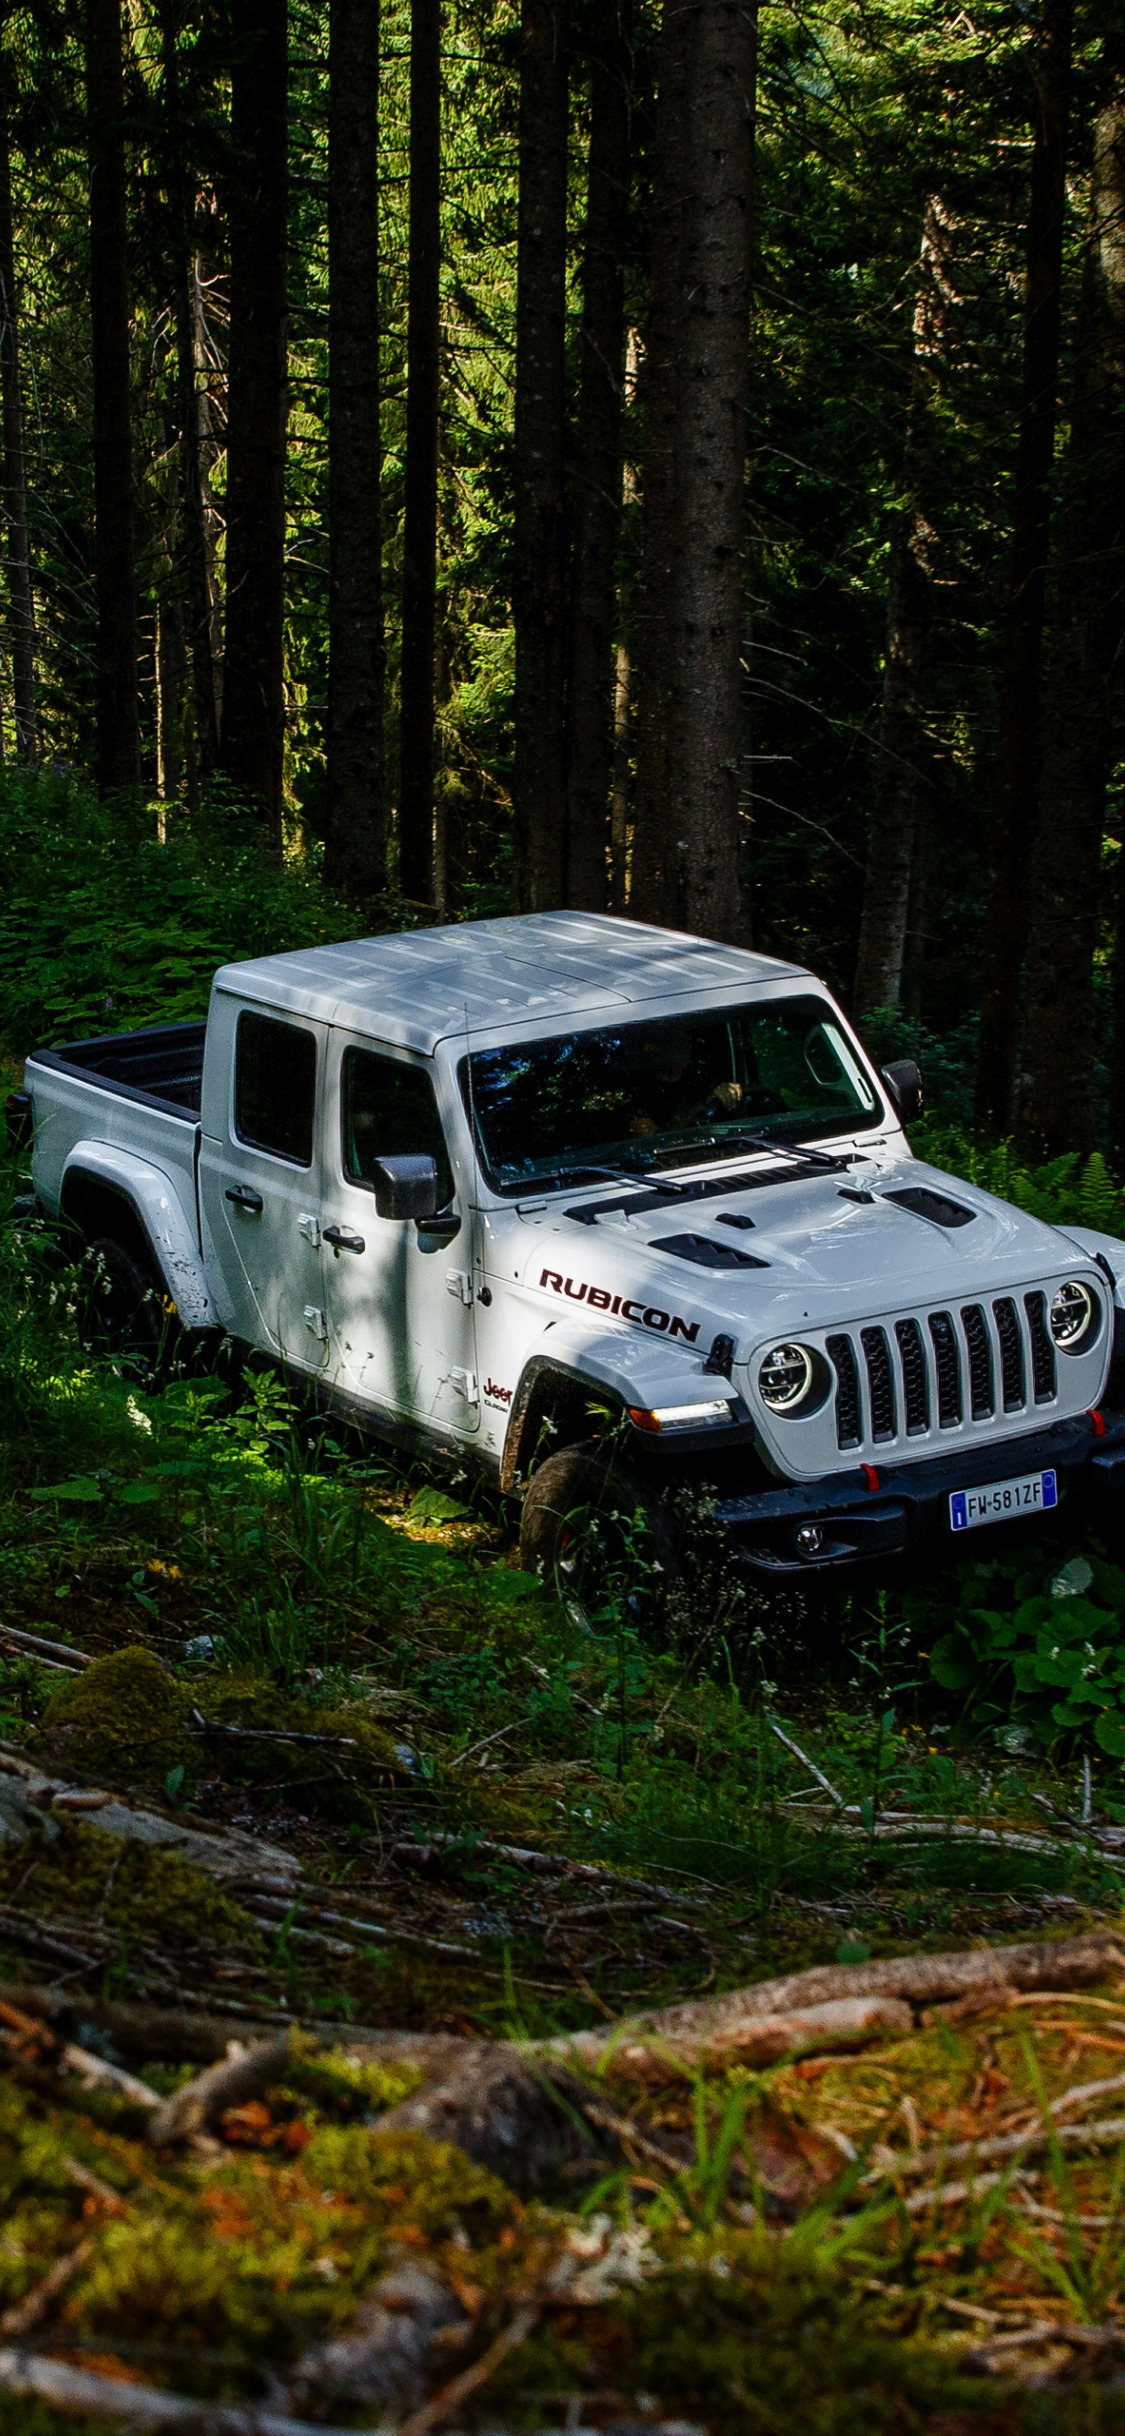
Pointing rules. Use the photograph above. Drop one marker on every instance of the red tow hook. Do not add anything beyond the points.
(871, 1478)
(1098, 1421)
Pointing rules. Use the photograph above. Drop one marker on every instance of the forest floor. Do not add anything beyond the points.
(519, 1812)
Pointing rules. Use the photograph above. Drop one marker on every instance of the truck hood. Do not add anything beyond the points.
(827, 1257)
(868, 1254)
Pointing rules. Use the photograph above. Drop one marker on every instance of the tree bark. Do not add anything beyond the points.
(192, 554)
(21, 607)
(685, 851)
(356, 841)
(118, 720)
(1005, 930)
(253, 731)
(420, 504)
(903, 753)
(539, 780)
(1086, 635)
(597, 473)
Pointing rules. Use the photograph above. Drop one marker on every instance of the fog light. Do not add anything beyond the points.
(810, 1539)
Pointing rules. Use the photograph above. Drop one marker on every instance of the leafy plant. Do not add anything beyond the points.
(1033, 1647)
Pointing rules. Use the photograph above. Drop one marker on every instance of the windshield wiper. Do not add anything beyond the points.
(827, 1159)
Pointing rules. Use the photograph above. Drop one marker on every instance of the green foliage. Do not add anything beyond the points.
(1064, 1191)
(1033, 1644)
(103, 927)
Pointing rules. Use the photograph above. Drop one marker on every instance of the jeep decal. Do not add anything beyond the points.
(597, 1298)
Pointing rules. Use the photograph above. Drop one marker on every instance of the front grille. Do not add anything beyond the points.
(915, 1387)
(841, 1354)
(880, 1384)
(1011, 1355)
(1042, 1350)
(981, 1401)
(948, 1365)
(941, 1370)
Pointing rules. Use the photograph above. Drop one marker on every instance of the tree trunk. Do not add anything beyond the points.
(419, 546)
(197, 588)
(118, 721)
(21, 608)
(1005, 930)
(685, 851)
(356, 842)
(596, 484)
(1086, 633)
(253, 732)
(193, 571)
(903, 752)
(539, 781)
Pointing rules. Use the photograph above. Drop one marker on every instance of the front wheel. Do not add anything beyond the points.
(587, 1507)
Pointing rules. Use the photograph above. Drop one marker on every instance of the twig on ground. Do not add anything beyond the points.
(25, 2315)
(55, 1649)
(242, 2074)
(805, 1761)
(211, 1725)
(471, 2379)
(86, 2394)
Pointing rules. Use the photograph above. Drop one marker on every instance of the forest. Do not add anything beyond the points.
(668, 460)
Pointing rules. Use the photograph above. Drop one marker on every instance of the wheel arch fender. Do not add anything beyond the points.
(107, 1191)
(572, 1366)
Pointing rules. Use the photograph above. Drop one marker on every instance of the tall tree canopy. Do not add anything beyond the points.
(637, 452)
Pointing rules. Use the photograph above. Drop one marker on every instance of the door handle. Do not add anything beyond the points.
(244, 1200)
(342, 1239)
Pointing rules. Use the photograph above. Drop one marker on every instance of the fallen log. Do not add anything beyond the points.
(849, 2022)
(915, 1979)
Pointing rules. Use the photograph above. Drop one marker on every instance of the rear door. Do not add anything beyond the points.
(259, 1182)
(400, 1309)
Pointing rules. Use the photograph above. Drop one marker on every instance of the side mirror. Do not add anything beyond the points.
(904, 1083)
(405, 1185)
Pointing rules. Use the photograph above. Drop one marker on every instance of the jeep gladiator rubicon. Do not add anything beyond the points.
(561, 1192)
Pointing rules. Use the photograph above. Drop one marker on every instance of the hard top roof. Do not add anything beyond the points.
(415, 987)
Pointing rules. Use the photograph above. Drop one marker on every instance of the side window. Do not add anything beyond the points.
(390, 1109)
(275, 1087)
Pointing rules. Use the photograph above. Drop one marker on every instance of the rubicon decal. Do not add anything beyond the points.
(598, 1298)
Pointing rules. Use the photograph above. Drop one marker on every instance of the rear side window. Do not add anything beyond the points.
(275, 1087)
(390, 1109)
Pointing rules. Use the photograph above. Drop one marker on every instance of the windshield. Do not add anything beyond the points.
(677, 1091)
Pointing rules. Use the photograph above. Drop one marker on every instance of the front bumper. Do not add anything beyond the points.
(879, 1512)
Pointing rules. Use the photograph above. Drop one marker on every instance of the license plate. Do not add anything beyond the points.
(996, 1500)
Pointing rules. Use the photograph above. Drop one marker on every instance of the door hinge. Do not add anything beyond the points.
(309, 1227)
(316, 1322)
(459, 1282)
(464, 1383)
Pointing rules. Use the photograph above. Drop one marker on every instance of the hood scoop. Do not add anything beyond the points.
(923, 1202)
(705, 1252)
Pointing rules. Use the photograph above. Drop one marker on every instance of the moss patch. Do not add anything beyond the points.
(126, 1719)
(80, 1872)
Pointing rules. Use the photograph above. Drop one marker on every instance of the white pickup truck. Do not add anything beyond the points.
(606, 1210)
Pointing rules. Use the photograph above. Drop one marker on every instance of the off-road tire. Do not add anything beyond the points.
(590, 1493)
(122, 1307)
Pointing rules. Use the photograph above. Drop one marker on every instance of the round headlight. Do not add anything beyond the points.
(1073, 1313)
(785, 1377)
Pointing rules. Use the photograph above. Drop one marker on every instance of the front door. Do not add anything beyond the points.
(399, 1302)
(260, 1191)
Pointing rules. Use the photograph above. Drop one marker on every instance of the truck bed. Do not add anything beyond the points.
(161, 1066)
